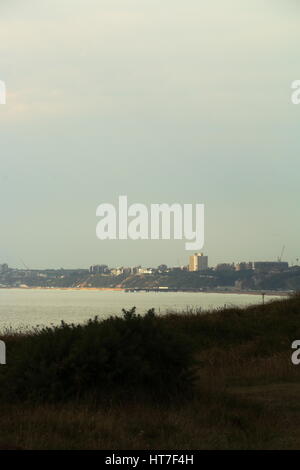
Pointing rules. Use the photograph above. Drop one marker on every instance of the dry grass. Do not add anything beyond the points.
(258, 413)
(224, 423)
(246, 396)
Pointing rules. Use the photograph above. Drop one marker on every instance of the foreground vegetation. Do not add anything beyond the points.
(195, 381)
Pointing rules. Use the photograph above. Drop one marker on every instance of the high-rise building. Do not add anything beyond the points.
(198, 262)
(99, 269)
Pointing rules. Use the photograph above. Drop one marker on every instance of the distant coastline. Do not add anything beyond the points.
(280, 293)
(222, 279)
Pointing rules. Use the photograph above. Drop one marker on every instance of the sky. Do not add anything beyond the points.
(162, 101)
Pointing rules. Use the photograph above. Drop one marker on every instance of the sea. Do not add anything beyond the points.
(25, 309)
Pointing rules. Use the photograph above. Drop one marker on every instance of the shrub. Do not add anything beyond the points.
(115, 359)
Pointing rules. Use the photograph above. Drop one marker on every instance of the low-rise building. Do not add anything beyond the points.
(225, 267)
(3, 268)
(268, 266)
(243, 266)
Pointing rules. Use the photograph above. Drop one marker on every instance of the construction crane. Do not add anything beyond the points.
(281, 254)
(25, 266)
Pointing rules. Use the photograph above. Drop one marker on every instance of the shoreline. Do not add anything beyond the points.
(152, 290)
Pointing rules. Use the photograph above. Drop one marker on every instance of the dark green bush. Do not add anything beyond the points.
(118, 358)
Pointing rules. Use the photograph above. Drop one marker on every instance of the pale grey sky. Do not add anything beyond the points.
(164, 101)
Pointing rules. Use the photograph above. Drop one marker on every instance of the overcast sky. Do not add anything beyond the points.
(163, 101)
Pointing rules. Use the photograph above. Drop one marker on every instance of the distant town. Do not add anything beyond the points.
(195, 276)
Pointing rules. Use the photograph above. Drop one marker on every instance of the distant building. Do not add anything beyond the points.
(145, 271)
(267, 266)
(178, 268)
(198, 262)
(117, 271)
(243, 266)
(99, 269)
(127, 271)
(225, 267)
(162, 268)
(3, 268)
(136, 269)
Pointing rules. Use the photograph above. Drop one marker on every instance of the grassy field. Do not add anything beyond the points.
(236, 387)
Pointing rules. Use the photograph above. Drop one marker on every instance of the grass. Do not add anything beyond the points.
(241, 391)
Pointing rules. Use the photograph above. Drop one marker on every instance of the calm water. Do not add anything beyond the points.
(21, 308)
